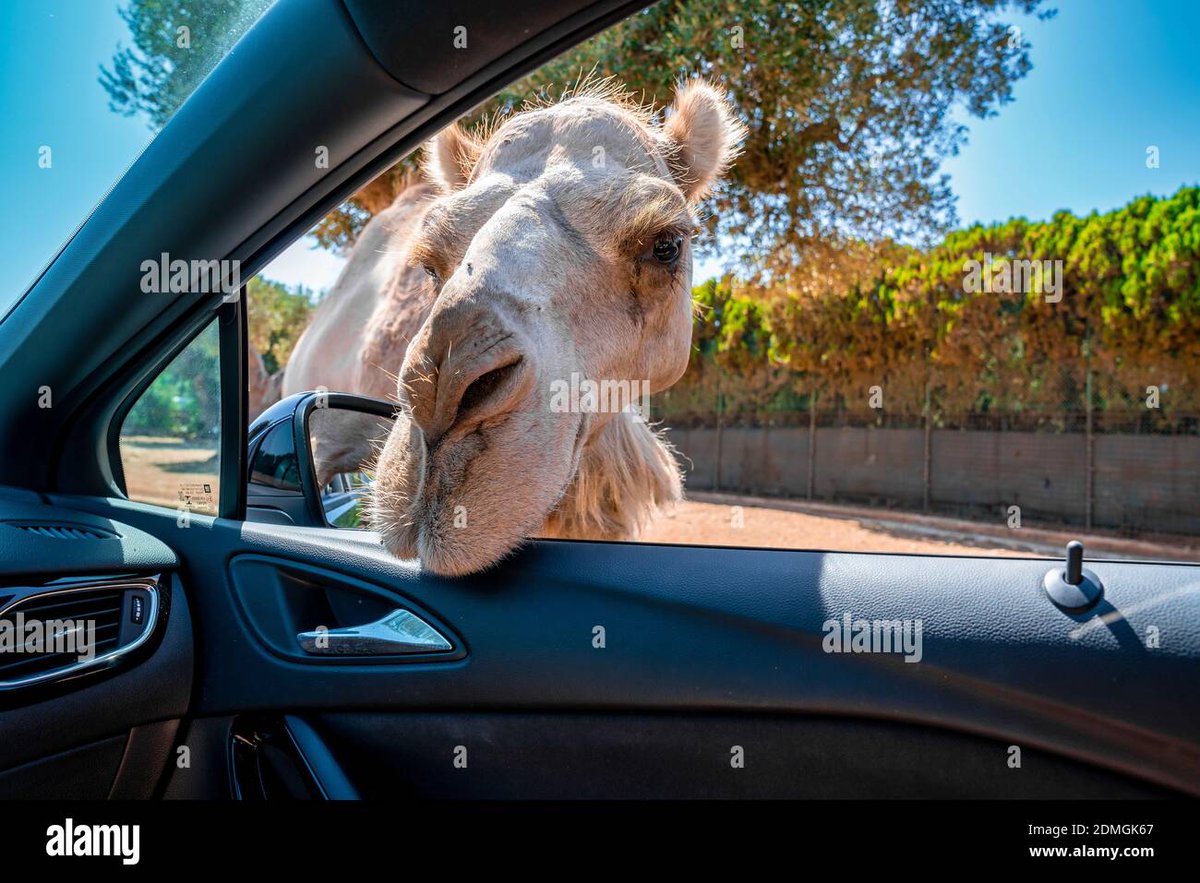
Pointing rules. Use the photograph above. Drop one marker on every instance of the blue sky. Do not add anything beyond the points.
(1110, 78)
(50, 95)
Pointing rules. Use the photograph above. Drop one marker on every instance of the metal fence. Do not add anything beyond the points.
(1117, 464)
(1133, 483)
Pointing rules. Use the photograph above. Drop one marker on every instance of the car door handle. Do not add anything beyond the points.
(401, 631)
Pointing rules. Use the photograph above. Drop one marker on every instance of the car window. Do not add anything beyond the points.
(121, 68)
(915, 328)
(170, 439)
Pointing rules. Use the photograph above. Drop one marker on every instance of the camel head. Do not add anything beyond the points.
(558, 256)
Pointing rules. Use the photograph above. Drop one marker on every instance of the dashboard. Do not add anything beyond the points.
(96, 653)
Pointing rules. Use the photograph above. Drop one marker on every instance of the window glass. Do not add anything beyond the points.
(944, 299)
(120, 71)
(170, 440)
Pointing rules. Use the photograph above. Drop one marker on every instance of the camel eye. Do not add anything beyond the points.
(666, 249)
(432, 274)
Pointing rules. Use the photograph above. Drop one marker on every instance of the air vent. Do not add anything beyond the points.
(63, 531)
(50, 634)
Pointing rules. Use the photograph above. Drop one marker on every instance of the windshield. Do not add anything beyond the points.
(84, 88)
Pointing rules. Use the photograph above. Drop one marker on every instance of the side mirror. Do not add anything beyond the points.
(309, 458)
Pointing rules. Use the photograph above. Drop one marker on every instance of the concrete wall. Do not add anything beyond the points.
(1141, 482)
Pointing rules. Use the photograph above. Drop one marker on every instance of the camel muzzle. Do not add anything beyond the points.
(468, 385)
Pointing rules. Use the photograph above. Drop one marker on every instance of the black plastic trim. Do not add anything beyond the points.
(231, 320)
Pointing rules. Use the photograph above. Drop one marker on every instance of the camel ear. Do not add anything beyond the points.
(450, 156)
(703, 137)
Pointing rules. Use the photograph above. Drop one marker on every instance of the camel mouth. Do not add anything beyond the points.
(440, 503)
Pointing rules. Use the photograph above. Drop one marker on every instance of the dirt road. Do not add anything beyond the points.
(171, 472)
(710, 519)
(166, 471)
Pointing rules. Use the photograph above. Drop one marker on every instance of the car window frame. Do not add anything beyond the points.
(230, 319)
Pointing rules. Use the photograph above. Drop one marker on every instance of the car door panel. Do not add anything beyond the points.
(102, 730)
(722, 631)
(692, 755)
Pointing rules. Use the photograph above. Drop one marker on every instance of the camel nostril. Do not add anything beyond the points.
(485, 387)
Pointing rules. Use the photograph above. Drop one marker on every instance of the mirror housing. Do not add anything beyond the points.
(282, 470)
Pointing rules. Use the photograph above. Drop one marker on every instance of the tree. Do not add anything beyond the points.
(278, 316)
(176, 43)
(1126, 314)
(848, 103)
(182, 401)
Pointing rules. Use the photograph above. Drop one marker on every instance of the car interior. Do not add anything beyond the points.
(261, 654)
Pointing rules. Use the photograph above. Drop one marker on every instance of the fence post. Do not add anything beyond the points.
(928, 458)
(720, 415)
(765, 422)
(812, 442)
(765, 459)
(1089, 477)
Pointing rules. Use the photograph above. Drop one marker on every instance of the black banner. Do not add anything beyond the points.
(404, 835)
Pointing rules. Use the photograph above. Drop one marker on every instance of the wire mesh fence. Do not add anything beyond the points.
(1101, 458)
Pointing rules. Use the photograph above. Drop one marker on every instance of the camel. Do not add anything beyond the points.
(555, 246)
(263, 387)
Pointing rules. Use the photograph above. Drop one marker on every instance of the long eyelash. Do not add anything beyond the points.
(431, 289)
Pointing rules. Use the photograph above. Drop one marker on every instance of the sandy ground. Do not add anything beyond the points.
(171, 472)
(718, 524)
(712, 519)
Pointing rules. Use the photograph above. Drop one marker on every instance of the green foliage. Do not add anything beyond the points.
(165, 64)
(278, 316)
(848, 106)
(848, 103)
(184, 400)
(1129, 317)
